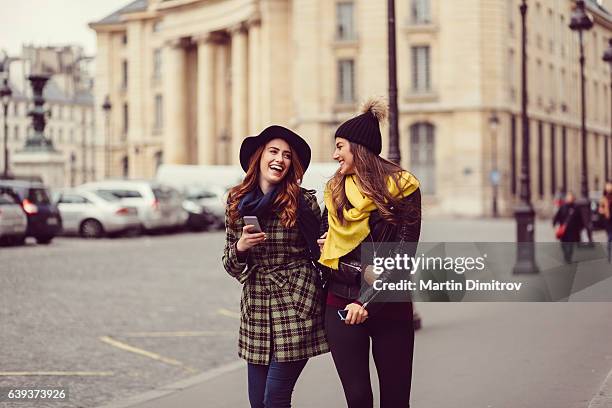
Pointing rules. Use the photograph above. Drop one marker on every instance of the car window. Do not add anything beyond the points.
(160, 193)
(7, 198)
(73, 199)
(200, 195)
(38, 196)
(106, 195)
(121, 193)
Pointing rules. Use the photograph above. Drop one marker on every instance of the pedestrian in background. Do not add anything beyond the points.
(568, 223)
(281, 322)
(369, 201)
(605, 209)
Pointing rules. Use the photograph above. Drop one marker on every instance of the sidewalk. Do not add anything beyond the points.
(491, 355)
(541, 355)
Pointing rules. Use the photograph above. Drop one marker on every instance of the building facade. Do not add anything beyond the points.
(69, 103)
(189, 79)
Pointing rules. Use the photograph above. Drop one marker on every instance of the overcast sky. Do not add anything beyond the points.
(51, 22)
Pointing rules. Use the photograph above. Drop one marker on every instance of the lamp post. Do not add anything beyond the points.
(106, 107)
(5, 95)
(580, 22)
(394, 151)
(494, 125)
(607, 57)
(523, 213)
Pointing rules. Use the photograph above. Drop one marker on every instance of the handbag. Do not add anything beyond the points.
(560, 231)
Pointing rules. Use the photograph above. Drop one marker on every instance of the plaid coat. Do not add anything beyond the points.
(281, 304)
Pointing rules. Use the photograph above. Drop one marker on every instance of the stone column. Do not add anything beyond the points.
(254, 107)
(240, 84)
(175, 104)
(207, 143)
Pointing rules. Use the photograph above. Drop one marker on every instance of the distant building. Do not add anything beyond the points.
(69, 101)
(189, 79)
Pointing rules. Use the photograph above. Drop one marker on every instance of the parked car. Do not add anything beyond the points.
(44, 220)
(13, 220)
(94, 214)
(159, 206)
(212, 199)
(199, 217)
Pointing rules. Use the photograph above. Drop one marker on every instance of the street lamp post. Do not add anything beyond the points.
(607, 57)
(580, 22)
(5, 95)
(523, 213)
(494, 125)
(106, 107)
(394, 151)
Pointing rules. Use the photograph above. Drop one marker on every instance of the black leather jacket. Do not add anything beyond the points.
(346, 281)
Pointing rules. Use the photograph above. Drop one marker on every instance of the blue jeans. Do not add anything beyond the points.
(271, 386)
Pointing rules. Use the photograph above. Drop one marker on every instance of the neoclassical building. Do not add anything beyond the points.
(189, 79)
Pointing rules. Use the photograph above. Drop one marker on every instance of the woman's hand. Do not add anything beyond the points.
(321, 241)
(248, 240)
(357, 314)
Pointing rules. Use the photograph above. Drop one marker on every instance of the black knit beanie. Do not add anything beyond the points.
(364, 129)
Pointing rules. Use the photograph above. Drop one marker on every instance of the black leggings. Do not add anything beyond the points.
(392, 348)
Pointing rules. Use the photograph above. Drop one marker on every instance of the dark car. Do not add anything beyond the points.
(44, 220)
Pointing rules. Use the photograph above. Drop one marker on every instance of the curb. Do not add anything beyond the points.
(603, 398)
(175, 387)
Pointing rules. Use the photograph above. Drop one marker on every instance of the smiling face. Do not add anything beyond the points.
(274, 163)
(343, 155)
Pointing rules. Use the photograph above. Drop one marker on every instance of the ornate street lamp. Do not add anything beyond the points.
(394, 151)
(5, 95)
(607, 57)
(523, 213)
(494, 125)
(106, 107)
(580, 22)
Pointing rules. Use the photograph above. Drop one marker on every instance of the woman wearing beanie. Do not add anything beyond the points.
(281, 322)
(369, 201)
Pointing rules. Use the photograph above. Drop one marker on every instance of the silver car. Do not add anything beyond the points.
(159, 206)
(13, 220)
(94, 214)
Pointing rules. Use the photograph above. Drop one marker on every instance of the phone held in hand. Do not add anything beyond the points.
(252, 220)
(342, 314)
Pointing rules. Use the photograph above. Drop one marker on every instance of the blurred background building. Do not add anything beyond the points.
(186, 80)
(69, 103)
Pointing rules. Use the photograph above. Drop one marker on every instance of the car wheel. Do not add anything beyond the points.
(44, 239)
(91, 229)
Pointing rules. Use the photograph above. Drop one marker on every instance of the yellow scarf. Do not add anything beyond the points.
(343, 238)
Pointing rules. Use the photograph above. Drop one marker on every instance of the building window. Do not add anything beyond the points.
(71, 136)
(541, 159)
(156, 26)
(16, 109)
(124, 39)
(422, 155)
(346, 81)
(345, 21)
(60, 136)
(157, 61)
(553, 159)
(16, 134)
(125, 166)
(125, 119)
(124, 74)
(511, 10)
(159, 112)
(421, 76)
(513, 154)
(158, 159)
(420, 12)
(511, 76)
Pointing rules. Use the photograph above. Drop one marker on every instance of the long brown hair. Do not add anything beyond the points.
(286, 202)
(372, 172)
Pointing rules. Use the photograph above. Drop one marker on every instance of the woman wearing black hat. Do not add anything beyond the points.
(369, 201)
(281, 325)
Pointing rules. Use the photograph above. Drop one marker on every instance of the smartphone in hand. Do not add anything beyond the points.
(252, 220)
(342, 313)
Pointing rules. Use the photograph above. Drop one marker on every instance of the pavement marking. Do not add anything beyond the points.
(154, 356)
(228, 313)
(180, 334)
(57, 373)
(603, 398)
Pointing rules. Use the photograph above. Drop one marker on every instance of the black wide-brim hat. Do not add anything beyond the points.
(252, 143)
